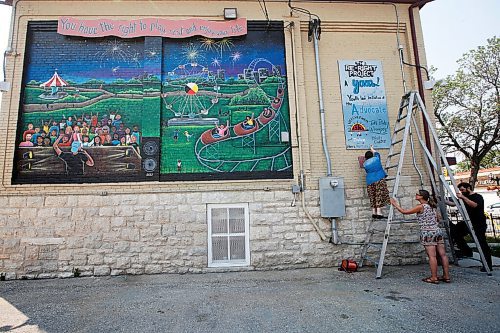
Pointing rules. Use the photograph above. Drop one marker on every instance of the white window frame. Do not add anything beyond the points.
(229, 262)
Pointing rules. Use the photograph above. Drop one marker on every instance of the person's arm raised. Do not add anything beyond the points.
(56, 145)
(466, 200)
(414, 210)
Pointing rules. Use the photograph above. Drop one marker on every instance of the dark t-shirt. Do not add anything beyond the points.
(74, 163)
(476, 214)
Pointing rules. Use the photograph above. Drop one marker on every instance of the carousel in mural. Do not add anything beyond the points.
(54, 88)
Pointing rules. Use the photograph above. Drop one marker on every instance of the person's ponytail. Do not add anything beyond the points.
(432, 203)
(427, 197)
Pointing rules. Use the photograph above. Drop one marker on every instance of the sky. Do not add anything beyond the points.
(451, 28)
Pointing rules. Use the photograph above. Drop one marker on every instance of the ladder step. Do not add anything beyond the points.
(400, 221)
(379, 244)
(404, 105)
(402, 117)
(399, 130)
(389, 179)
(391, 166)
(394, 154)
(396, 142)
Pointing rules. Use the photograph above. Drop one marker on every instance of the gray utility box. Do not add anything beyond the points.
(331, 196)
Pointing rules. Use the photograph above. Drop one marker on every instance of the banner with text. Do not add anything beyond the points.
(151, 27)
(364, 104)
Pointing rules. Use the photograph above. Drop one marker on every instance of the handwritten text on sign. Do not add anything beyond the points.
(364, 104)
(151, 27)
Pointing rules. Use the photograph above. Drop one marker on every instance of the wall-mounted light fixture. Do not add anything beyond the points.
(230, 13)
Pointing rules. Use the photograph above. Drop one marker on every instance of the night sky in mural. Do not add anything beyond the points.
(233, 55)
(80, 60)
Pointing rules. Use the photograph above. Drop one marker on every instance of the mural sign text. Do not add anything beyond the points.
(72, 26)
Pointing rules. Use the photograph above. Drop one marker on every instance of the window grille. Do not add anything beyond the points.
(228, 235)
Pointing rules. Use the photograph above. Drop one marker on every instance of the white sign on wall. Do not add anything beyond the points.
(364, 104)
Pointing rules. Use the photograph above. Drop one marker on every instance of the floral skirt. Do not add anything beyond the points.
(378, 194)
(431, 237)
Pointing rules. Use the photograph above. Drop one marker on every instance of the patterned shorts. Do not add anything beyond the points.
(378, 194)
(431, 237)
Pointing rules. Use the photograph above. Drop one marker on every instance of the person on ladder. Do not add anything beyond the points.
(474, 204)
(431, 236)
(375, 181)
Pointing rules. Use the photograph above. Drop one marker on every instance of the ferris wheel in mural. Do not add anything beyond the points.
(192, 90)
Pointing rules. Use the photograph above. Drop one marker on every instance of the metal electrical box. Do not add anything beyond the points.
(332, 196)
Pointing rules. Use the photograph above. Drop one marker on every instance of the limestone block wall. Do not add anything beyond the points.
(47, 236)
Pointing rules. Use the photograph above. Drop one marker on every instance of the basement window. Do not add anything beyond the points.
(228, 235)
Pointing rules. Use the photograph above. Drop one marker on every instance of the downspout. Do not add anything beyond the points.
(414, 43)
(11, 36)
(10, 51)
(315, 33)
(299, 136)
(316, 30)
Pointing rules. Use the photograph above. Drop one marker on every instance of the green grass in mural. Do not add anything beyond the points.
(151, 117)
(261, 152)
(32, 96)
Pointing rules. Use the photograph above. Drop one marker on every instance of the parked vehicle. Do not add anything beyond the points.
(494, 209)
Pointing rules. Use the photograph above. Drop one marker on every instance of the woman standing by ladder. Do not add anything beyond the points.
(375, 180)
(431, 236)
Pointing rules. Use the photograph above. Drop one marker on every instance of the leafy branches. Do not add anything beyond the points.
(467, 105)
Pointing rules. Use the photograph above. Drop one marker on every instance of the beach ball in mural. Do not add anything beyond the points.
(191, 88)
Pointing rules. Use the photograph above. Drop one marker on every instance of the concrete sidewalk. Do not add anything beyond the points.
(475, 261)
(307, 300)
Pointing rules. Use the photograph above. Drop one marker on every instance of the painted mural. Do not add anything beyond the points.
(152, 108)
(224, 108)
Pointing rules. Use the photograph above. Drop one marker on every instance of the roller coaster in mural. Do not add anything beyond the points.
(192, 105)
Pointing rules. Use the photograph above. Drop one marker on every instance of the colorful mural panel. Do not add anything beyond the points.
(81, 113)
(111, 109)
(225, 108)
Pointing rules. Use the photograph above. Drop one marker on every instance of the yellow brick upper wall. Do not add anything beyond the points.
(350, 31)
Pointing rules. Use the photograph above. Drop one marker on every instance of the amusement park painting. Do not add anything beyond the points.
(151, 108)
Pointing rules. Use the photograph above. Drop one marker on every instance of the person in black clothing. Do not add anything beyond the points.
(474, 204)
(74, 160)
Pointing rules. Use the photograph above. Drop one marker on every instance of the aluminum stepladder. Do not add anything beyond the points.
(411, 104)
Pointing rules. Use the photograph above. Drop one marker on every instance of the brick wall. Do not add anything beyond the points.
(151, 227)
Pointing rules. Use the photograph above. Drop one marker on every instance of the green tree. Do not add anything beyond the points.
(492, 159)
(255, 96)
(467, 105)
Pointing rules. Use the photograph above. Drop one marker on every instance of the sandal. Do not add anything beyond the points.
(429, 280)
(442, 279)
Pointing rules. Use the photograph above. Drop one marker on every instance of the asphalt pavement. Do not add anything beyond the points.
(305, 300)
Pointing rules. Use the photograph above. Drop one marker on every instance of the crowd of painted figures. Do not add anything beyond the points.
(89, 130)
